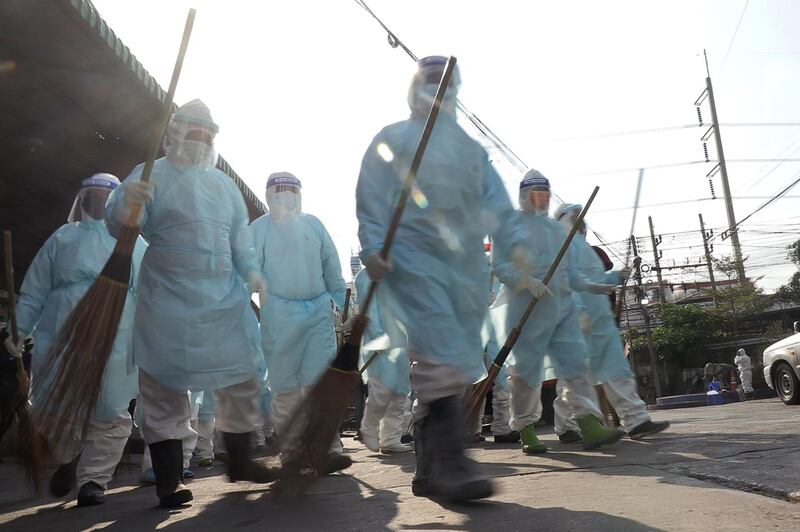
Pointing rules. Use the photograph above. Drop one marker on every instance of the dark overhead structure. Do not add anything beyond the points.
(74, 101)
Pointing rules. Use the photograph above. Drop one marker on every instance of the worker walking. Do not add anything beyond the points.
(300, 264)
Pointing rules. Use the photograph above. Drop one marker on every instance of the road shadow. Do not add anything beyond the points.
(512, 517)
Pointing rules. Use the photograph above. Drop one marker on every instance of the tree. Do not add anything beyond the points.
(790, 292)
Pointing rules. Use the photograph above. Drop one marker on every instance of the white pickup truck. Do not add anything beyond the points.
(782, 367)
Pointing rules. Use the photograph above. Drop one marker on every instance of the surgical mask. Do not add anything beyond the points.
(189, 145)
(194, 153)
(285, 203)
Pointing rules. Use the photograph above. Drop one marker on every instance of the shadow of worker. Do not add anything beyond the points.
(512, 517)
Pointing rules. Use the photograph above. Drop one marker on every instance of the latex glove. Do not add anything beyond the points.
(624, 273)
(535, 286)
(13, 349)
(256, 283)
(139, 192)
(377, 267)
(599, 288)
(586, 323)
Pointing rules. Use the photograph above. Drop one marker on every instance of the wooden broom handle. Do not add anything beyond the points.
(163, 119)
(9, 271)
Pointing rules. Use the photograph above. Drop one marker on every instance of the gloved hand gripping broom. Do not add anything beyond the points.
(77, 361)
(317, 419)
(29, 444)
(479, 391)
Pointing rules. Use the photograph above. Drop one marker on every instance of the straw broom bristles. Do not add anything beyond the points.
(73, 372)
(28, 441)
(317, 419)
(77, 361)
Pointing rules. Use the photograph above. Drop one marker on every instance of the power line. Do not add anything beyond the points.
(766, 203)
(735, 32)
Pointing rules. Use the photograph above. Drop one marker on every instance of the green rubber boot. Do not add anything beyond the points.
(530, 443)
(595, 434)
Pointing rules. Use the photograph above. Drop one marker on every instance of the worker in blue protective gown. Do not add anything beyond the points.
(387, 376)
(300, 264)
(437, 275)
(552, 328)
(608, 365)
(194, 328)
(57, 279)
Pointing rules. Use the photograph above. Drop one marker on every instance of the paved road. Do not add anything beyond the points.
(732, 467)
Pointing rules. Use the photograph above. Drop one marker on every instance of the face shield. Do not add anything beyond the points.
(190, 136)
(425, 82)
(534, 193)
(283, 195)
(90, 202)
(568, 214)
(188, 144)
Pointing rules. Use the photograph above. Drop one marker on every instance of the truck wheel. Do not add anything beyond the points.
(786, 384)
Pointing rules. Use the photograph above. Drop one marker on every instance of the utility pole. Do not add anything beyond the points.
(723, 170)
(656, 257)
(707, 249)
(637, 264)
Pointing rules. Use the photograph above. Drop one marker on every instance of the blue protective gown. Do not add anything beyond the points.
(299, 261)
(440, 276)
(391, 366)
(194, 328)
(553, 327)
(59, 276)
(607, 360)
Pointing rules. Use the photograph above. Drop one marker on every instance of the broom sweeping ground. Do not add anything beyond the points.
(316, 421)
(477, 399)
(29, 444)
(77, 361)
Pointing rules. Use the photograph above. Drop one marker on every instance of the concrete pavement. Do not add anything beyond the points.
(732, 467)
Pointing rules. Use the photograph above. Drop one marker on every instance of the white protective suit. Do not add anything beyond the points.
(745, 367)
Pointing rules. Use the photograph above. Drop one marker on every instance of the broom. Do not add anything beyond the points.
(29, 444)
(318, 417)
(477, 399)
(77, 361)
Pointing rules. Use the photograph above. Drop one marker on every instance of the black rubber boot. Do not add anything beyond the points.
(453, 477)
(420, 485)
(511, 437)
(336, 462)
(63, 480)
(91, 494)
(647, 428)
(167, 458)
(570, 436)
(241, 465)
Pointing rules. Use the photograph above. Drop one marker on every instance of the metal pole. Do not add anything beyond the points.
(726, 189)
(646, 317)
(708, 257)
(656, 257)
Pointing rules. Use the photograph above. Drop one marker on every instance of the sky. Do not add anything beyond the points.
(586, 92)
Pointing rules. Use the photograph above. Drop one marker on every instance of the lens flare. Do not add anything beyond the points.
(419, 198)
(385, 152)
